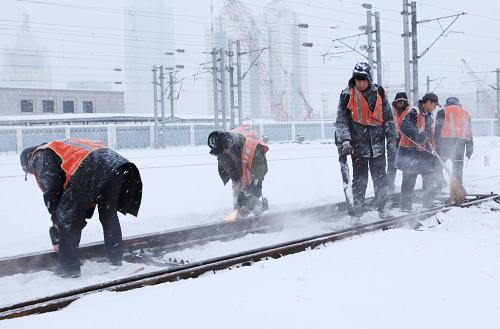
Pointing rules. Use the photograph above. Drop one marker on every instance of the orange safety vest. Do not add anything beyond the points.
(399, 118)
(405, 141)
(456, 123)
(72, 152)
(251, 142)
(361, 111)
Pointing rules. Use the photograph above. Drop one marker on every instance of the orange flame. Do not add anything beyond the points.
(233, 216)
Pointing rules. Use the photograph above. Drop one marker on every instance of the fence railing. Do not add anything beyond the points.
(137, 136)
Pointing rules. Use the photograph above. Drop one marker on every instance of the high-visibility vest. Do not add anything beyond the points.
(360, 111)
(248, 151)
(405, 141)
(72, 152)
(399, 118)
(456, 123)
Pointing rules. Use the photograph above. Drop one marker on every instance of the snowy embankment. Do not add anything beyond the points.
(443, 276)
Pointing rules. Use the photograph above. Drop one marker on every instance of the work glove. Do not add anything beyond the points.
(345, 148)
(469, 149)
(54, 237)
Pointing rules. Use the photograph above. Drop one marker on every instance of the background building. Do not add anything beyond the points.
(20, 101)
(287, 58)
(149, 40)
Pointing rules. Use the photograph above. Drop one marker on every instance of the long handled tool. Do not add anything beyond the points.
(457, 190)
(346, 179)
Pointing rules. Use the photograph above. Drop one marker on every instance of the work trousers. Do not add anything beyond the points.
(360, 182)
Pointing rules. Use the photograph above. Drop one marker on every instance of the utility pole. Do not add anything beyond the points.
(231, 82)
(155, 106)
(378, 46)
(162, 105)
(498, 101)
(369, 31)
(428, 84)
(406, 42)
(223, 88)
(414, 49)
(215, 87)
(238, 73)
(171, 95)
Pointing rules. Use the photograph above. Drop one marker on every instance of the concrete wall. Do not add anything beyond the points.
(103, 101)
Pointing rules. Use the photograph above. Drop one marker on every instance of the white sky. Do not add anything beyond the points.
(478, 44)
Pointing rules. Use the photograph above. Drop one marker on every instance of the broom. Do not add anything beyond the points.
(457, 190)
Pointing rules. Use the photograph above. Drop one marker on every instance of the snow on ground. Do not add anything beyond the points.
(443, 276)
(182, 188)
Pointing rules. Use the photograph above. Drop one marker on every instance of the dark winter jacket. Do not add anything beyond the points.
(411, 159)
(69, 207)
(230, 163)
(450, 147)
(367, 141)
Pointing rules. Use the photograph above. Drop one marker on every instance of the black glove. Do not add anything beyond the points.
(54, 237)
(469, 149)
(345, 148)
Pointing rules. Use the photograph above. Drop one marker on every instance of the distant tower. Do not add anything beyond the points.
(287, 60)
(147, 38)
(26, 62)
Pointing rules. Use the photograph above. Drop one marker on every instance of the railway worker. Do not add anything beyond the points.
(415, 154)
(453, 137)
(400, 107)
(364, 124)
(75, 175)
(241, 157)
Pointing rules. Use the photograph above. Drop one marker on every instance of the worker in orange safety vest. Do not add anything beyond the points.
(241, 157)
(453, 136)
(400, 107)
(75, 176)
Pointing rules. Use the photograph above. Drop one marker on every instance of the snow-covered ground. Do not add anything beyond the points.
(445, 276)
(389, 277)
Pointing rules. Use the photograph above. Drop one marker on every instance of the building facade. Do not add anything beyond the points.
(20, 101)
(149, 40)
(287, 58)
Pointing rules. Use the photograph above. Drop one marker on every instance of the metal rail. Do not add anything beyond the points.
(55, 302)
(178, 239)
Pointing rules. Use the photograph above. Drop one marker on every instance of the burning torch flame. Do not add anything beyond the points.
(232, 216)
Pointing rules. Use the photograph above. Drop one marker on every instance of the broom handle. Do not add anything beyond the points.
(448, 171)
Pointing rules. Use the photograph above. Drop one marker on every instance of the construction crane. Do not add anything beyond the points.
(240, 17)
(309, 109)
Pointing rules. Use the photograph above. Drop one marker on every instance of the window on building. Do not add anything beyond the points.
(68, 107)
(88, 107)
(26, 105)
(48, 106)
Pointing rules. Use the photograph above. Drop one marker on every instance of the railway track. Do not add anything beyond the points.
(245, 258)
(136, 248)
